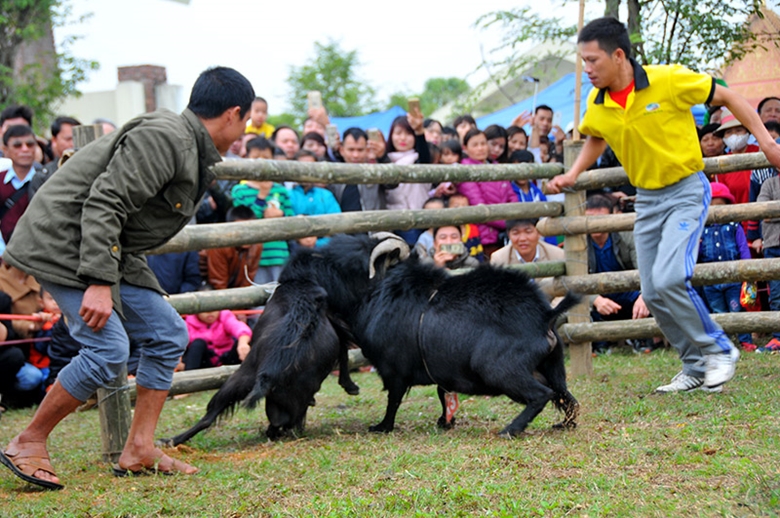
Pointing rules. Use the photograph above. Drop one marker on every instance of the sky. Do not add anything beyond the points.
(400, 44)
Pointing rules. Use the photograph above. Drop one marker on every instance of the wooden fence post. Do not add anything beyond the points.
(576, 248)
(113, 400)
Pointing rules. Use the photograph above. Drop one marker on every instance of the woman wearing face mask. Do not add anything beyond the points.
(735, 136)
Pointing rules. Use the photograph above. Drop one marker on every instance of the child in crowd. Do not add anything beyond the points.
(526, 190)
(260, 147)
(469, 231)
(257, 119)
(267, 200)
(724, 242)
(425, 241)
(216, 338)
(451, 152)
(770, 233)
(485, 193)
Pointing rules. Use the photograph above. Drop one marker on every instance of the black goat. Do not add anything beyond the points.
(294, 347)
(488, 331)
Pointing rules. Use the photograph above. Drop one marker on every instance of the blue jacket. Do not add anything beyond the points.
(723, 242)
(176, 272)
(314, 202)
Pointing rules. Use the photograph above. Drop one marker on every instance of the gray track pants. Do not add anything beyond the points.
(669, 225)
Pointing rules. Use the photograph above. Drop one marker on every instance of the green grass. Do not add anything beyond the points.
(633, 454)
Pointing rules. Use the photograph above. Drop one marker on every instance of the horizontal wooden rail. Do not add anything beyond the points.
(570, 226)
(200, 237)
(732, 323)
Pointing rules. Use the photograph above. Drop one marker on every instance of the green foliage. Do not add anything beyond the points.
(42, 84)
(437, 92)
(283, 119)
(332, 72)
(700, 34)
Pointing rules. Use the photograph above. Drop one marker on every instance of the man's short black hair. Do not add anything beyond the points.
(260, 143)
(218, 89)
(772, 126)
(521, 156)
(464, 118)
(707, 129)
(609, 33)
(543, 107)
(240, 213)
(766, 100)
(17, 130)
(600, 201)
(17, 111)
(355, 133)
(56, 126)
(449, 130)
(512, 223)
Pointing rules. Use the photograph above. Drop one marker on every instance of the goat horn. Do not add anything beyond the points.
(385, 247)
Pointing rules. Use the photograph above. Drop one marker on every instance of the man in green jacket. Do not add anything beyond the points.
(83, 239)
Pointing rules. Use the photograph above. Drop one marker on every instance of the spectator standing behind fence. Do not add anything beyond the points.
(735, 136)
(177, 272)
(19, 146)
(485, 193)
(770, 233)
(351, 198)
(525, 245)
(216, 338)
(267, 200)
(673, 193)
(724, 242)
(425, 241)
(84, 236)
(309, 200)
(437, 253)
(407, 146)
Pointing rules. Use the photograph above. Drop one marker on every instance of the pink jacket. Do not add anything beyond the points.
(487, 193)
(218, 336)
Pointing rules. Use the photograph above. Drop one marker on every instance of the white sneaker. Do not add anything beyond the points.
(684, 383)
(720, 368)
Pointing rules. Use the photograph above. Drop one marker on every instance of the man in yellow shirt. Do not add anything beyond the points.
(644, 114)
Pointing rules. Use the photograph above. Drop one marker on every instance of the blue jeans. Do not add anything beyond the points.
(724, 298)
(774, 286)
(148, 319)
(28, 378)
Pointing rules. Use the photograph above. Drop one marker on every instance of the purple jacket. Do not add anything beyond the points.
(487, 193)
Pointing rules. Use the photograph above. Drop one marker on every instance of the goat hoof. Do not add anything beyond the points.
(379, 428)
(164, 443)
(563, 425)
(352, 390)
(444, 425)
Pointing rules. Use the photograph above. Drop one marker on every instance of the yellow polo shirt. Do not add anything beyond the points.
(654, 137)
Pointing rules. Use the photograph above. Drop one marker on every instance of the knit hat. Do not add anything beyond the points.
(720, 190)
(727, 121)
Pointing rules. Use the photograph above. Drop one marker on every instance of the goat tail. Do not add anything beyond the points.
(569, 301)
(259, 391)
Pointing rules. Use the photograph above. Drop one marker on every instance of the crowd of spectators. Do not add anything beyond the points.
(32, 351)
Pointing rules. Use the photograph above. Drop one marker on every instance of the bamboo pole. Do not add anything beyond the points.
(233, 298)
(186, 382)
(113, 399)
(199, 237)
(578, 75)
(732, 323)
(337, 172)
(624, 222)
(334, 172)
(703, 274)
(576, 248)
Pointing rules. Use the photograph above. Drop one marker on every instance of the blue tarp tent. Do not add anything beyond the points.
(560, 97)
(380, 120)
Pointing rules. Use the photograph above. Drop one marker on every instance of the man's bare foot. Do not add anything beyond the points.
(155, 460)
(29, 460)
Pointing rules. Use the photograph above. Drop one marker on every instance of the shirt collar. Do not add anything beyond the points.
(11, 175)
(640, 81)
(520, 258)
